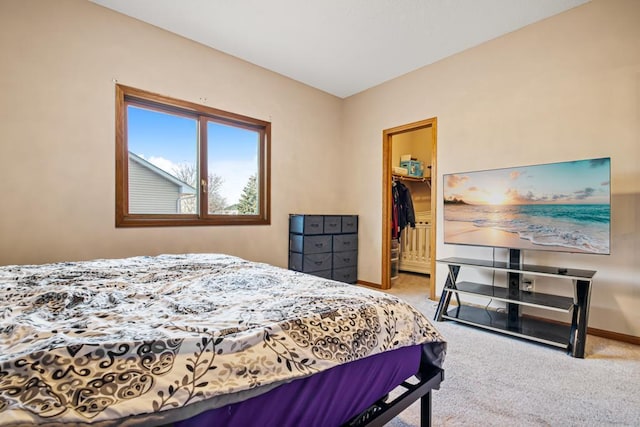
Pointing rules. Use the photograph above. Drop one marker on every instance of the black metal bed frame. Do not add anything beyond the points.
(429, 378)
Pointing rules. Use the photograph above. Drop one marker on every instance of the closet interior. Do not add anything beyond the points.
(411, 202)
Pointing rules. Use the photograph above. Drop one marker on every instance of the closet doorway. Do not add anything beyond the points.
(415, 250)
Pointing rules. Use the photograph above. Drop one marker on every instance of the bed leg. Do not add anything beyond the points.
(425, 410)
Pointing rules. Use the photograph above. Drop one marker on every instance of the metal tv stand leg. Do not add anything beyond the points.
(580, 318)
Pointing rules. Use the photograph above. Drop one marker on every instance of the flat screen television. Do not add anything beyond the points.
(563, 206)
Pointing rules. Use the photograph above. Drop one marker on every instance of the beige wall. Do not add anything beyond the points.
(565, 88)
(57, 153)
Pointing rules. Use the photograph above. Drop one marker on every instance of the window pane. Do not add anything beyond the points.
(185, 164)
(233, 155)
(163, 166)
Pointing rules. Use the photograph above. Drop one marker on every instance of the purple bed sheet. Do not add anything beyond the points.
(328, 398)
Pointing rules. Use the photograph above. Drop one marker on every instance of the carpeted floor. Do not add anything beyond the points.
(495, 380)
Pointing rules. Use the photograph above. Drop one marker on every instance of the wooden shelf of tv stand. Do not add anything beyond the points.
(570, 337)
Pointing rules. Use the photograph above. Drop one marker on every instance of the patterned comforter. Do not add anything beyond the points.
(100, 341)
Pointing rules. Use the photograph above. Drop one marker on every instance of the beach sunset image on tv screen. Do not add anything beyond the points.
(556, 206)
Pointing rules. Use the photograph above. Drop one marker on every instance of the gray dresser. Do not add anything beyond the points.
(324, 245)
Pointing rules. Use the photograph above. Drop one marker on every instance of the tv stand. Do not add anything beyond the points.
(571, 337)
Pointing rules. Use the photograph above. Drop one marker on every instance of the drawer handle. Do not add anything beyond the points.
(315, 225)
(346, 243)
(318, 262)
(346, 259)
(319, 245)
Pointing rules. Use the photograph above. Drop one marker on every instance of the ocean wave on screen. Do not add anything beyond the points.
(575, 227)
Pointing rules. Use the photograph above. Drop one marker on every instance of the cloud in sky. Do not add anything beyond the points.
(456, 180)
(584, 194)
(594, 163)
(515, 196)
(236, 174)
(164, 164)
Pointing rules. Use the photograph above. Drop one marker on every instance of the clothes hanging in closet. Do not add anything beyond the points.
(402, 213)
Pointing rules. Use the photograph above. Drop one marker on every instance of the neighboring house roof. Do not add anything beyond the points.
(184, 187)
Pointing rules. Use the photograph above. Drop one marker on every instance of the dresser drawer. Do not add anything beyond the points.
(345, 259)
(325, 274)
(310, 263)
(345, 242)
(306, 224)
(349, 224)
(309, 244)
(332, 224)
(347, 274)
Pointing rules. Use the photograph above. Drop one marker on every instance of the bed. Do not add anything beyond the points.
(206, 339)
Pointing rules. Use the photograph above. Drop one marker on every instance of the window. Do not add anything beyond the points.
(180, 163)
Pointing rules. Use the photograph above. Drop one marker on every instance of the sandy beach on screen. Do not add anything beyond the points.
(468, 234)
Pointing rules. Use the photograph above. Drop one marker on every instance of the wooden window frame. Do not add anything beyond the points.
(125, 96)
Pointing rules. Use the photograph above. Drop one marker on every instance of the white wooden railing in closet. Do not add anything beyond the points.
(414, 245)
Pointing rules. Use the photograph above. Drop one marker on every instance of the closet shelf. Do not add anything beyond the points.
(411, 178)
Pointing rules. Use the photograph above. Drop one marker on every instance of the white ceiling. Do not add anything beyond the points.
(340, 46)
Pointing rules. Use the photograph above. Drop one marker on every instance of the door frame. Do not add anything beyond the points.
(387, 137)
